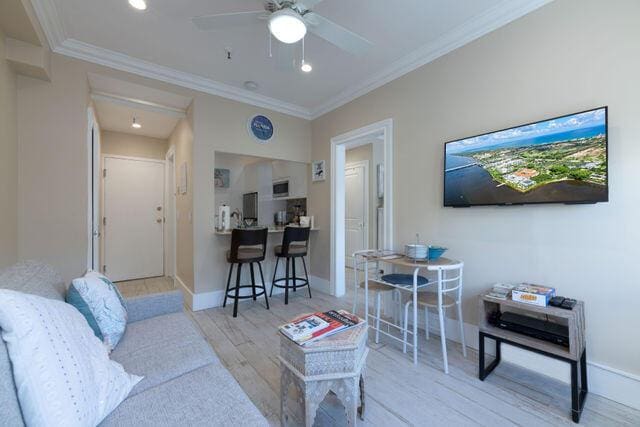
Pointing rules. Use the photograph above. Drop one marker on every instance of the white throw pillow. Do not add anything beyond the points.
(62, 371)
(100, 302)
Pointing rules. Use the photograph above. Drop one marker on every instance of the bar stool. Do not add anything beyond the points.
(247, 247)
(295, 242)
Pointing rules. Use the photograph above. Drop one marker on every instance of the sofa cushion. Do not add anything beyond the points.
(162, 348)
(32, 277)
(208, 396)
(62, 371)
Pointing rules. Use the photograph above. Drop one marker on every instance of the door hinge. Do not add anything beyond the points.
(104, 220)
(104, 173)
(104, 268)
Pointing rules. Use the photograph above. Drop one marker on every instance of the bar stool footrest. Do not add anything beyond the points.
(295, 283)
(262, 290)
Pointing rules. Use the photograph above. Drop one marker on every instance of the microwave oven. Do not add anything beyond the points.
(281, 188)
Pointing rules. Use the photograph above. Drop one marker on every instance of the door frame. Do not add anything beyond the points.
(365, 165)
(164, 204)
(170, 224)
(94, 170)
(339, 145)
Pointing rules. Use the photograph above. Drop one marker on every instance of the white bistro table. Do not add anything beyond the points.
(375, 256)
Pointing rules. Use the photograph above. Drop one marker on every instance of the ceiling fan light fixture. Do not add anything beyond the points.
(135, 124)
(138, 4)
(306, 67)
(287, 26)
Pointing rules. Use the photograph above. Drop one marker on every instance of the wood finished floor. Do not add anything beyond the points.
(398, 393)
(133, 288)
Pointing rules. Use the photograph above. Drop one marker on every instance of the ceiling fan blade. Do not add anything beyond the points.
(308, 4)
(337, 35)
(227, 20)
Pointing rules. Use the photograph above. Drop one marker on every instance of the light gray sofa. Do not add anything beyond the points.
(184, 382)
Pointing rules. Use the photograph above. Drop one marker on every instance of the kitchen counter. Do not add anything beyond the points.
(270, 231)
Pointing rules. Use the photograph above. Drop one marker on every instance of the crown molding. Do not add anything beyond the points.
(138, 103)
(50, 22)
(122, 62)
(492, 19)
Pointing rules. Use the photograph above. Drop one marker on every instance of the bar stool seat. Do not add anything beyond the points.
(247, 255)
(248, 246)
(294, 250)
(295, 241)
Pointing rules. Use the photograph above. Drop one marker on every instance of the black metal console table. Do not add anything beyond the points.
(575, 355)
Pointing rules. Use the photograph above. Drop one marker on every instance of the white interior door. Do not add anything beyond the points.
(356, 183)
(133, 218)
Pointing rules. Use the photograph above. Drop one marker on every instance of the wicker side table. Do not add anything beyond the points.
(336, 364)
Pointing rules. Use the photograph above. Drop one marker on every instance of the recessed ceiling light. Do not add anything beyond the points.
(251, 85)
(287, 26)
(135, 124)
(306, 67)
(138, 4)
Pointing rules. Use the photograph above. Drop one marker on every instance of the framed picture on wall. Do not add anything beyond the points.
(318, 172)
(221, 178)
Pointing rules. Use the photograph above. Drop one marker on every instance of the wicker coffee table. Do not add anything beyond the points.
(336, 364)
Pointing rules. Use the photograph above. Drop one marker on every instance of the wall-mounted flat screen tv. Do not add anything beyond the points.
(559, 160)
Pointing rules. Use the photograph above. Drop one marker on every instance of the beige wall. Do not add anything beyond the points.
(8, 162)
(567, 56)
(126, 144)
(182, 140)
(221, 125)
(52, 134)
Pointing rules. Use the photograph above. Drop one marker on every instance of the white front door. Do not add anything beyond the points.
(133, 218)
(356, 183)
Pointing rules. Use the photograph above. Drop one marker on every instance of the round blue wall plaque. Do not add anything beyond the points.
(261, 128)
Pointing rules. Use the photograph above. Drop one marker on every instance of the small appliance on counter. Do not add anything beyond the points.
(224, 218)
(281, 188)
(280, 218)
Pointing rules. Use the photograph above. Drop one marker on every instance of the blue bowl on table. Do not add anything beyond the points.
(435, 252)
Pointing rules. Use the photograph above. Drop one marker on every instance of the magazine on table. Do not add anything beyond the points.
(312, 327)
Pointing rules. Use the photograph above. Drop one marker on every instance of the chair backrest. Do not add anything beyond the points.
(451, 279)
(253, 237)
(294, 235)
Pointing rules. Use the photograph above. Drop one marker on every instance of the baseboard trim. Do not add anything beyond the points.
(611, 383)
(322, 285)
(206, 300)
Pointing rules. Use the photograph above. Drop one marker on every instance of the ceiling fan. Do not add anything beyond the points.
(289, 21)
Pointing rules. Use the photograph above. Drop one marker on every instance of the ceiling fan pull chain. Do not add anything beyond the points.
(303, 50)
(270, 54)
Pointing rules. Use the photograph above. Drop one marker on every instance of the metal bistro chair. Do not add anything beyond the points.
(376, 286)
(295, 242)
(441, 300)
(247, 247)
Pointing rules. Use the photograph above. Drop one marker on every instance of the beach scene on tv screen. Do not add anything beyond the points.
(558, 160)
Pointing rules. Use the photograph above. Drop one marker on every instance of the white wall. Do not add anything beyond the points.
(130, 145)
(567, 56)
(52, 168)
(221, 125)
(8, 162)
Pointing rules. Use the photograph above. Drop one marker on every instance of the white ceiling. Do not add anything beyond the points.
(162, 43)
(118, 118)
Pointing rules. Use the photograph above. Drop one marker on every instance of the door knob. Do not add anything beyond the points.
(159, 208)
(159, 220)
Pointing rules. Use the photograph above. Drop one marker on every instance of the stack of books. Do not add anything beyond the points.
(312, 327)
(533, 294)
(501, 291)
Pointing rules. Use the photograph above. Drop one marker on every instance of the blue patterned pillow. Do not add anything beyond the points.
(101, 304)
